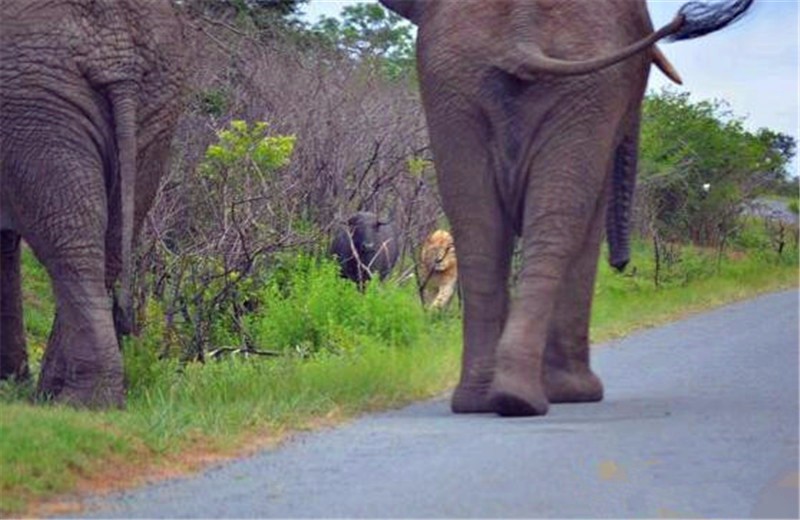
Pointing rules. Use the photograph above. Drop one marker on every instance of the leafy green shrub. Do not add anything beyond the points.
(238, 219)
(699, 165)
(751, 236)
(696, 264)
(245, 150)
(772, 240)
(306, 307)
(39, 307)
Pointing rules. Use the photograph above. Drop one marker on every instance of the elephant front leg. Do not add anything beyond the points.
(13, 354)
(568, 377)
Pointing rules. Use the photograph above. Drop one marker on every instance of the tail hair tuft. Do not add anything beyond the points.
(700, 18)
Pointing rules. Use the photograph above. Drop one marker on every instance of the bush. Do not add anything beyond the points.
(232, 205)
(297, 306)
(699, 167)
(306, 307)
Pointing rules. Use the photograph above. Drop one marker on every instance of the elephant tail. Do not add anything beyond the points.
(693, 20)
(700, 18)
(618, 215)
(123, 97)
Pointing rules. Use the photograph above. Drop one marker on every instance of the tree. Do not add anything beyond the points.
(261, 13)
(699, 166)
(370, 33)
(781, 148)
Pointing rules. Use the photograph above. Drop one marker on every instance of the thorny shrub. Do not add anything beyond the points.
(227, 211)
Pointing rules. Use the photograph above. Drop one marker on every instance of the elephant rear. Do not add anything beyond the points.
(90, 93)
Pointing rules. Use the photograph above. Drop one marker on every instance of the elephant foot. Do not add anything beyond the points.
(93, 381)
(511, 400)
(94, 391)
(470, 400)
(471, 394)
(577, 386)
(98, 398)
(514, 393)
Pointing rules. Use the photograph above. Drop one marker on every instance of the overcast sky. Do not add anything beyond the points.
(753, 65)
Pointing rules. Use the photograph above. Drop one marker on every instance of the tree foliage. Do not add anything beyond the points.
(205, 280)
(262, 14)
(371, 33)
(699, 166)
(231, 207)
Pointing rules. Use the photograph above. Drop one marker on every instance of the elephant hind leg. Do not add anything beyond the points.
(570, 379)
(13, 354)
(567, 375)
(83, 364)
(483, 240)
(564, 195)
(484, 266)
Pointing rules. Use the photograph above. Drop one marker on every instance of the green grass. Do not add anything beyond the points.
(219, 403)
(39, 303)
(44, 452)
(624, 303)
(347, 353)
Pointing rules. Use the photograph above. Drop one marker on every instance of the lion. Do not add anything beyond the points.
(439, 269)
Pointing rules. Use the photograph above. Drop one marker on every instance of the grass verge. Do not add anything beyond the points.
(180, 418)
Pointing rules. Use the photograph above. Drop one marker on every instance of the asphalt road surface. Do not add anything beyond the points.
(700, 419)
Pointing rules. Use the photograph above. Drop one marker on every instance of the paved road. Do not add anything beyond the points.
(700, 420)
(776, 209)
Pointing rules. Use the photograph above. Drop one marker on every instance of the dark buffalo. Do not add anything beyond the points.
(365, 247)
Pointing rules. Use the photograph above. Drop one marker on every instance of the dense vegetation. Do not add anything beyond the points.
(293, 127)
(337, 353)
(245, 328)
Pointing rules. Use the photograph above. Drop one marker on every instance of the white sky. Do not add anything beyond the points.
(753, 65)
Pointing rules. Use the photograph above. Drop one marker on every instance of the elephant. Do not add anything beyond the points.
(533, 112)
(90, 94)
(367, 245)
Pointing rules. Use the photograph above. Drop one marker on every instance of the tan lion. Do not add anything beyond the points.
(439, 269)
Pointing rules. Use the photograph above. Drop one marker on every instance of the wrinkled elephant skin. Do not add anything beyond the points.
(533, 110)
(90, 93)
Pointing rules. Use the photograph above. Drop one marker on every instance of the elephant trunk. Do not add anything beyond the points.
(123, 96)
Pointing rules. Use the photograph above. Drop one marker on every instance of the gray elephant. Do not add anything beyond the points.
(366, 246)
(90, 93)
(533, 110)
